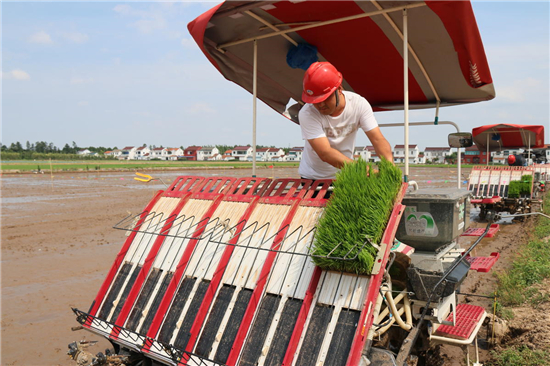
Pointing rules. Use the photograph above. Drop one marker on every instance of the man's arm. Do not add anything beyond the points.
(328, 154)
(380, 144)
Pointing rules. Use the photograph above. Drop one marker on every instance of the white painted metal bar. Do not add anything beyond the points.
(406, 90)
(320, 24)
(459, 156)
(254, 103)
(487, 158)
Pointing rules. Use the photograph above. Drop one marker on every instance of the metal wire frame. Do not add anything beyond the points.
(219, 228)
(176, 355)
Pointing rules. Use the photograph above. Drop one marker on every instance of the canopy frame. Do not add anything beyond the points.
(407, 48)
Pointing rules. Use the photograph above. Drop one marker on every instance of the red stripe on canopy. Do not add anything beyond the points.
(331, 40)
(466, 39)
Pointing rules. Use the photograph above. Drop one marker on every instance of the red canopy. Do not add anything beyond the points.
(503, 136)
(447, 61)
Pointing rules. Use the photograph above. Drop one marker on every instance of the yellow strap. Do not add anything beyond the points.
(148, 178)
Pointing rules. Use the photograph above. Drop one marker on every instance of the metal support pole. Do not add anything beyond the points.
(406, 90)
(487, 157)
(254, 100)
(529, 151)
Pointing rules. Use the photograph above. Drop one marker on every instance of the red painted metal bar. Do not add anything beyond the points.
(118, 260)
(302, 317)
(264, 274)
(314, 281)
(367, 315)
(245, 190)
(204, 193)
(274, 195)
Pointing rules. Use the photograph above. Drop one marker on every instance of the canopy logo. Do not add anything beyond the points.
(421, 224)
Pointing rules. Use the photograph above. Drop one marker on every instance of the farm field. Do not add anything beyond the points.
(45, 166)
(58, 244)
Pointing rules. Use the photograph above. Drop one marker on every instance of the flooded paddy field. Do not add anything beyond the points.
(58, 244)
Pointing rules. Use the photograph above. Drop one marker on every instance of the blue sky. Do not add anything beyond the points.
(128, 73)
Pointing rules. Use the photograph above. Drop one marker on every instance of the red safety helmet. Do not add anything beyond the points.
(320, 81)
(511, 159)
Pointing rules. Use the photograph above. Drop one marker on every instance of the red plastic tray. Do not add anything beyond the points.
(467, 318)
(483, 264)
(478, 231)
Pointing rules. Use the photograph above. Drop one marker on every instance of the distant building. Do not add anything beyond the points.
(173, 153)
(142, 153)
(268, 154)
(399, 154)
(228, 155)
(473, 156)
(206, 153)
(83, 152)
(128, 153)
(436, 155)
(295, 153)
(241, 152)
(191, 152)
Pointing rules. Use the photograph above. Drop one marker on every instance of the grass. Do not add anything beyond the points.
(518, 285)
(358, 209)
(521, 285)
(519, 356)
(103, 165)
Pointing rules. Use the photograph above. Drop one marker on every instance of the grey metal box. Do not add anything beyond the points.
(434, 217)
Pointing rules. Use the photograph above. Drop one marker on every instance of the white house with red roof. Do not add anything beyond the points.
(173, 153)
(399, 154)
(295, 153)
(269, 154)
(158, 153)
(436, 155)
(207, 152)
(227, 155)
(112, 153)
(128, 153)
(142, 153)
(241, 152)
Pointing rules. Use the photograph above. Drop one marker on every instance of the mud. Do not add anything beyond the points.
(58, 244)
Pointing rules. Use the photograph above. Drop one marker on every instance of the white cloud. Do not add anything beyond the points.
(149, 25)
(78, 80)
(40, 37)
(75, 37)
(149, 20)
(123, 9)
(83, 103)
(520, 90)
(188, 43)
(16, 75)
(201, 108)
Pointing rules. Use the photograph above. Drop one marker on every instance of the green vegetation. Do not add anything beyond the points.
(518, 285)
(358, 209)
(521, 188)
(519, 356)
(110, 164)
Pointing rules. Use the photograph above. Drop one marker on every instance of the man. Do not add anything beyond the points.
(329, 123)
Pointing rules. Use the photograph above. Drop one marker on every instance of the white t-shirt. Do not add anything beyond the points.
(340, 131)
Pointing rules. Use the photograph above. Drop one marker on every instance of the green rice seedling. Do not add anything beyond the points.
(356, 213)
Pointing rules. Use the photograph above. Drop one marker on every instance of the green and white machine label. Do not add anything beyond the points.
(421, 224)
